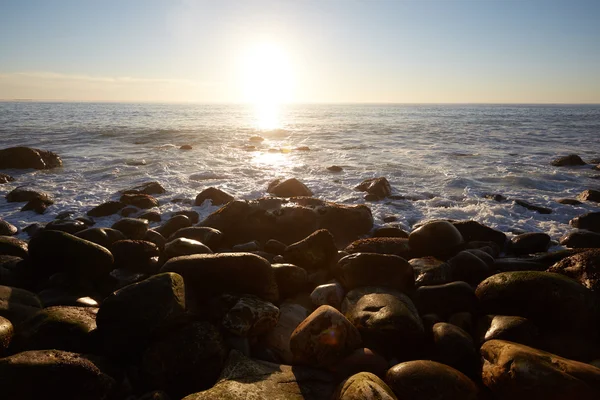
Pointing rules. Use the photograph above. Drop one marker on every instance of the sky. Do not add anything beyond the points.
(305, 51)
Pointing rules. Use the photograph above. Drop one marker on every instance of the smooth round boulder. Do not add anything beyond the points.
(174, 224)
(143, 201)
(209, 236)
(106, 209)
(21, 157)
(11, 246)
(467, 267)
(445, 300)
(17, 305)
(133, 228)
(583, 267)
(502, 327)
(529, 243)
(580, 239)
(289, 188)
(290, 278)
(216, 196)
(136, 256)
(331, 294)
(454, 347)
(315, 252)
(185, 247)
(23, 194)
(473, 231)
(435, 238)
(104, 237)
(382, 245)
(390, 231)
(364, 386)
(7, 229)
(372, 269)
(361, 360)
(379, 188)
(430, 271)
(6, 334)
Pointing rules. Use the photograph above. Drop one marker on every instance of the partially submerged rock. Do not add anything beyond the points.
(568, 161)
(583, 267)
(26, 157)
(289, 188)
(216, 196)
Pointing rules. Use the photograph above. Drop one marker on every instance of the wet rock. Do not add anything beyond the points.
(496, 197)
(66, 225)
(4, 178)
(106, 209)
(138, 256)
(26, 157)
(290, 188)
(361, 360)
(330, 294)
(518, 372)
(463, 320)
(185, 361)
(324, 338)
(174, 224)
(571, 202)
(143, 201)
(11, 246)
(581, 238)
(290, 279)
(207, 275)
(104, 237)
(533, 207)
(426, 380)
(37, 205)
(549, 300)
(277, 340)
(364, 386)
(150, 216)
(589, 195)
(6, 334)
(454, 347)
(186, 147)
(132, 228)
(383, 245)
(22, 194)
(61, 297)
(511, 328)
(583, 267)
(209, 236)
(54, 374)
(7, 229)
(387, 321)
(390, 231)
(568, 161)
(430, 271)
(185, 247)
(17, 305)
(371, 269)
(474, 231)
(435, 238)
(315, 252)
(244, 378)
(216, 196)
(335, 168)
(146, 188)
(380, 188)
(256, 139)
(275, 247)
(445, 300)
(518, 264)
(191, 214)
(251, 316)
(589, 221)
(247, 247)
(156, 238)
(466, 266)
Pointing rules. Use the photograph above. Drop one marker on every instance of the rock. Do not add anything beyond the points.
(185, 361)
(549, 300)
(315, 252)
(7, 229)
(106, 209)
(60, 328)
(378, 187)
(571, 202)
(290, 279)
(247, 247)
(191, 214)
(533, 207)
(4, 178)
(129, 317)
(330, 294)
(138, 256)
(143, 201)
(290, 188)
(104, 237)
(208, 275)
(445, 300)
(589, 221)
(256, 139)
(22, 194)
(6, 334)
(251, 316)
(155, 395)
(454, 347)
(436, 238)
(430, 271)
(501, 327)
(66, 225)
(302, 148)
(277, 340)
(371, 269)
(518, 264)
(364, 386)
(427, 380)
(275, 247)
(390, 231)
(156, 238)
(568, 161)
(37, 205)
(474, 231)
(10, 246)
(17, 305)
(55, 251)
(335, 168)
(129, 210)
(150, 216)
(496, 197)
(581, 238)
(173, 225)
(387, 321)
(54, 374)
(323, 338)
(466, 266)
(132, 228)
(26, 157)
(185, 247)
(244, 378)
(208, 236)
(384, 245)
(146, 188)
(583, 267)
(589, 195)
(361, 360)
(515, 371)
(216, 196)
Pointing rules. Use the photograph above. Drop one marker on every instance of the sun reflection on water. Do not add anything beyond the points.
(267, 116)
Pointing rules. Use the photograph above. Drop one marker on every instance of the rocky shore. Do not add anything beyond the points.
(291, 297)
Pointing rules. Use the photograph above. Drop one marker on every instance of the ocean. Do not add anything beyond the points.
(441, 160)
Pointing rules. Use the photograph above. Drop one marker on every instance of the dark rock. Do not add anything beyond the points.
(6, 334)
(156, 238)
(290, 278)
(209, 236)
(104, 237)
(571, 202)
(484, 254)
(185, 147)
(36, 205)
(275, 247)
(589, 221)
(129, 210)
(252, 246)
(146, 188)
(466, 266)
(303, 148)
(496, 197)
(589, 195)
(378, 187)
(390, 231)
(106, 209)
(11, 246)
(290, 188)
(186, 361)
(501, 327)
(17, 305)
(155, 395)
(515, 371)
(567, 161)
(463, 320)
(277, 340)
(60, 297)
(191, 214)
(323, 338)
(581, 239)
(579, 346)
(185, 247)
(55, 251)
(216, 196)
(427, 380)
(22, 194)
(372, 269)
(207, 275)
(150, 216)
(250, 316)
(143, 201)
(533, 207)
(583, 267)
(66, 225)
(174, 224)
(335, 168)
(361, 360)
(7, 229)
(4, 178)
(136, 256)
(436, 238)
(329, 294)
(383, 245)
(474, 231)
(315, 252)
(25, 157)
(132, 228)
(547, 299)
(54, 374)
(256, 139)
(454, 347)
(445, 300)
(430, 271)
(518, 264)
(364, 386)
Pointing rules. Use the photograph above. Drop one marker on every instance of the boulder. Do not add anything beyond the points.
(4, 178)
(106, 209)
(252, 246)
(387, 321)
(518, 264)
(533, 207)
(17, 305)
(372, 269)
(589, 221)
(583, 267)
(390, 231)
(529, 243)
(6, 334)
(250, 316)
(277, 340)
(22, 194)
(502, 327)
(7, 229)
(290, 279)
(104, 237)
(515, 371)
(37, 205)
(146, 188)
(11, 246)
(454, 347)
(589, 195)
(216, 196)
(571, 202)
(143, 201)
(330, 294)
(384, 245)
(435, 238)
(66, 225)
(335, 168)
(445, 300)
(290, 188)
(138, 256)
(380, 188)
(427, 380)
(191, 214)
(132, 228)
(361, 360)
(156, 238)
(173, 225)
(26, 157)
(150, 216)
(209, 236)
(568, 161)
(581, 238)
(317, 251)
(430, 271)
(364, 386)
(466, 266)
(55, 374)
(185, 247)
(475, 231)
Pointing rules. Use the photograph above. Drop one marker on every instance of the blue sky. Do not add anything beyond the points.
(515, 51)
